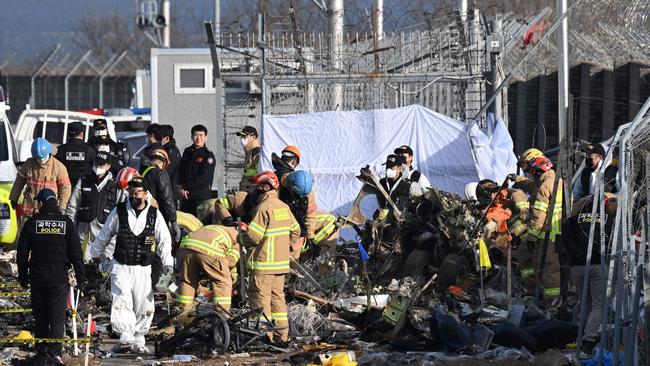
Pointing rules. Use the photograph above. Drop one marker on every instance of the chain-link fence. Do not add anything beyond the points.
(442, 66)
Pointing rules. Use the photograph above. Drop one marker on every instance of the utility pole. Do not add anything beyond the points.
(495, 46)
(166, 12)
(217, 20)
(564, 139)
(336, 12)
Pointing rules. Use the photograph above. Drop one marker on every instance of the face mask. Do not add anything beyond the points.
(101, 132)
(103, 148)
(44, 160)
(99, 171)
(391, 173)
(135, 202)
(244, 141)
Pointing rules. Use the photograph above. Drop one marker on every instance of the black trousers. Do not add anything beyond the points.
(49, 308)
(190, 205)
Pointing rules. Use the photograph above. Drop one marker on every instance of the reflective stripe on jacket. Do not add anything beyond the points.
(213, 240)
(33, 177)
(271, 232)
(539, 201)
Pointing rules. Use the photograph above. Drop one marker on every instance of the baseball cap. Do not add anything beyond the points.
(247, 130)
(137, 181)
(596, 149)
(404, 149)
(76, 127)
(102, 158)
(393, 160)
(99, 124)
(45, 194)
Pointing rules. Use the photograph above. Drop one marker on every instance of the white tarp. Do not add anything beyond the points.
(335, 145)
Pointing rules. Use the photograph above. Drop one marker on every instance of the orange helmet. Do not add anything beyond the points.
(291, 150)
(125, 175)
(540, 164)
(268, 177)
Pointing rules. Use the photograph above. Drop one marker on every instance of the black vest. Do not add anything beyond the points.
(609, 177)
(94, 204)
(131, 249)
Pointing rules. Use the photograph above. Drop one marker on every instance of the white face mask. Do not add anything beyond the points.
(99, 171)
(103, 148)
(44, 160)
(101, 132)
(244, 141)
(391, 173)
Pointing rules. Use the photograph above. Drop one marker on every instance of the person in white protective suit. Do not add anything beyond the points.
(138, 228)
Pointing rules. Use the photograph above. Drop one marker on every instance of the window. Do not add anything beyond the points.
(53, 131)
(193, 79)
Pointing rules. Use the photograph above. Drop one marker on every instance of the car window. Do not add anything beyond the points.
(4, 147)
(53, 131)
(136, 143)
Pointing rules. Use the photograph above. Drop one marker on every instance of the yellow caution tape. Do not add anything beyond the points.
(10, 285)
(13, 294)
(2, 311)
(47, 340)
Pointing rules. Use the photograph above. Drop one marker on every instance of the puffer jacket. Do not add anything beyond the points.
(33, 177)
(251, 165)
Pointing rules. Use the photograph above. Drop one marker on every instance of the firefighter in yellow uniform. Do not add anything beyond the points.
(251, 144)
(541, 191)
(271, 233)
(210, 251)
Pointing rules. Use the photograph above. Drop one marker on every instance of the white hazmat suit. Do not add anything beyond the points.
(132, 309)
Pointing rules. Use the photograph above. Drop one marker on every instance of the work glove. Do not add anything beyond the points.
(228, 221)
(511, 177)
(176, 232)
(14, 204)
(105, 265)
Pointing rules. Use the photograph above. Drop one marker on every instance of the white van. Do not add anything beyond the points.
(53, 126)
(8, 218)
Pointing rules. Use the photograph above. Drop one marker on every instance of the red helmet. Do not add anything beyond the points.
(266, 176)
(125, 175)
(540, 164)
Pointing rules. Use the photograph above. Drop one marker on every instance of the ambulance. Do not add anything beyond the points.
(8, 218)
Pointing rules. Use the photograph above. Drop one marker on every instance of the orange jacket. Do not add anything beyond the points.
(33, 177)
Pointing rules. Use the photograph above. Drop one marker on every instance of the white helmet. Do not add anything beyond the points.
(470, 191)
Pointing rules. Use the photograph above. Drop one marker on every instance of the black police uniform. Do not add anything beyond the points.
(195, 176)
(78, 158)
(174, 164)
(48, 244)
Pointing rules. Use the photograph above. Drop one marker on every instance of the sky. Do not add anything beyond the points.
(30, 26)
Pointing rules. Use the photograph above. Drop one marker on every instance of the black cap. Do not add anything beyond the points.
(99, 124)
(102, 158)
(404, 149)
(75, 128)
(137, 181)
(45, 194)
(596, 149)
(247, 130)
(393, 160)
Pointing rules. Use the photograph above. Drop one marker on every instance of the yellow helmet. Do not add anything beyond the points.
(529, 155)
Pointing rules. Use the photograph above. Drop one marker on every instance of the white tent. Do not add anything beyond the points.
(335, 145)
